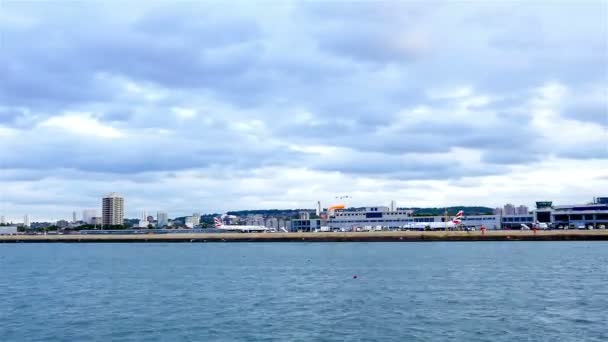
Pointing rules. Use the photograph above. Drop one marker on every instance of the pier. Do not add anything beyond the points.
(385, 236)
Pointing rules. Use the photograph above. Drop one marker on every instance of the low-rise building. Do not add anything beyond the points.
(516, 221)
(63, 224)
(309, 225)
(477, 221)
(376, 217)
(8, 230)
(593, 215)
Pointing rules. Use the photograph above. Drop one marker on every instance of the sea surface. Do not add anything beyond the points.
(428, 291)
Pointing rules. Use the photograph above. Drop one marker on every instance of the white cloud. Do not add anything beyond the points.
(7, 132)
(558, 132)
(183, 114)
(296, 187)
(84, 124)
(451, 93)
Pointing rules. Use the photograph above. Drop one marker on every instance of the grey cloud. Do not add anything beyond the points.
(198, 25)
(338, 62)
(62, 68)
(589, 112)
(507, 157)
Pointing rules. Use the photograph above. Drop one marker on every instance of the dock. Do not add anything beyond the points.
(383, 236)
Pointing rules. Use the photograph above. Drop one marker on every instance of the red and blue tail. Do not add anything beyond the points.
(458, 218)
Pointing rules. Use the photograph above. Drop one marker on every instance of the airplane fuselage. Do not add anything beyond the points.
(432, 225)
(236, 228)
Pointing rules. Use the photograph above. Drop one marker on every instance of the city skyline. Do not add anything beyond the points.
(163, 216)
(208, 107)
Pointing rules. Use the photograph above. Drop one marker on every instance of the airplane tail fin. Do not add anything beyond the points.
(217, 222)
(458, 218)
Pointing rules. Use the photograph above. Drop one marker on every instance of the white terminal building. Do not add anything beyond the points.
(385, 218)
(588, 216)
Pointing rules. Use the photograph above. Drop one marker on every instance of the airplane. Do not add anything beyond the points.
(438, 225)
(537, 225)
(219, 224)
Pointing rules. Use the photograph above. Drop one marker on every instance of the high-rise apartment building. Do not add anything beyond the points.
(113, 210)
(162, 219)
(196, 218)
(522, 210)
(509, 209)
(2, 220)
(88, 215)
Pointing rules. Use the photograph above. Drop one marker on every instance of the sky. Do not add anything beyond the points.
(208, 107)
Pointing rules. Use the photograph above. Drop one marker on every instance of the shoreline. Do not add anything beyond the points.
(388, 236)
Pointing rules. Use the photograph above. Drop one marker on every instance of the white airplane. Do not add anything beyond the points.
(537, 225)
(219, 224)
(438, 225)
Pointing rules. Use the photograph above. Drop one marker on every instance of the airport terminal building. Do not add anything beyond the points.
(376, 218)
(593, 215)
(585, 216)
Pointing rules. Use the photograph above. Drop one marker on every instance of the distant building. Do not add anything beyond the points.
(304, 215)
(497, 211)
(113, 210)
(88, 215)
(306, 225)
(62, 224)
(189, 222)
(8, 230)
(593, 215)
(231, 219)
(143, 220)
(272, 222)
(162, 219)
(2, 220)
(255, 220)
(384, 218)
(97, 220)
(26, 221)
(196, 219)
(509, 209)
(522, 210)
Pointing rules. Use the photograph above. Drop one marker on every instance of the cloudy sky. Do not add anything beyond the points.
(208, 107)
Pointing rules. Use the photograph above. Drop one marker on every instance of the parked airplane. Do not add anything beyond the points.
(438, 225)
(219, 224)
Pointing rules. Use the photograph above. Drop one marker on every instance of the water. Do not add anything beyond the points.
(503, 291)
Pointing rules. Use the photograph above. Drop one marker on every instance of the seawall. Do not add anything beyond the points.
(396, 236)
